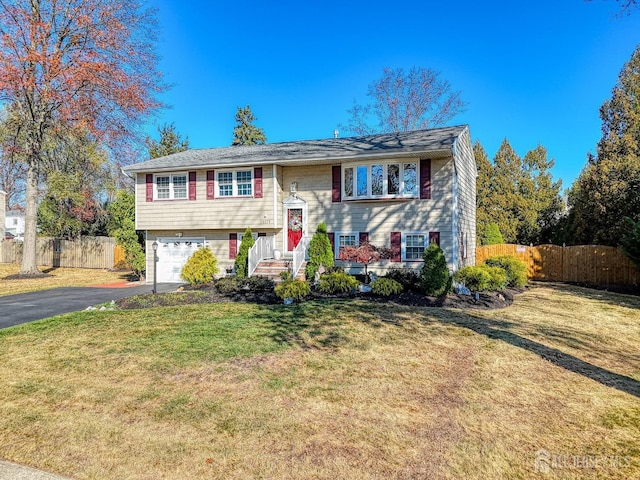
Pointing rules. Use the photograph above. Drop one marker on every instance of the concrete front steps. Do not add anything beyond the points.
(272, 268)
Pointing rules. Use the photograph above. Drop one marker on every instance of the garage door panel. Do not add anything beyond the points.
(172, 255)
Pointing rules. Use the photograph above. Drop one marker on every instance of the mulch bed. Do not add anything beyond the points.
(208, 294)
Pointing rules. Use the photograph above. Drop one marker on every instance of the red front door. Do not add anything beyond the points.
(294, 228)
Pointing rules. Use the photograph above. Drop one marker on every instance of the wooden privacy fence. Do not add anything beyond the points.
(87, 252)
(591, 264)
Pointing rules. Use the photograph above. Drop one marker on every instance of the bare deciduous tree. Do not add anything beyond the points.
(405, 101)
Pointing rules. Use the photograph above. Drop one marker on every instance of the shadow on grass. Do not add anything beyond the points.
(315, 325)
(493, 330)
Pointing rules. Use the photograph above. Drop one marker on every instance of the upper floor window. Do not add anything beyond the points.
(380, 180)
(234, 183)
(169, 187)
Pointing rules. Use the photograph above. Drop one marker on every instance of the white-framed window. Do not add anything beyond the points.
(171, 186)
(380, 180)
(234, 183)
(345, 239)
(413, 246)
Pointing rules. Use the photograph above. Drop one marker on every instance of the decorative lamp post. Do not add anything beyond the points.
(154, 245)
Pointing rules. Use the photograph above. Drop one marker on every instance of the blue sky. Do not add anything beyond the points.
(533, 72)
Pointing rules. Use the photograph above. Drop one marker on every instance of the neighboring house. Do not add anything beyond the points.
(402, 190)
(14, 223)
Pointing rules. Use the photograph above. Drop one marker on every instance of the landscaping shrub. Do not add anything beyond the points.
(492, 235)
(385, 287)
(298, 290)
(482, 278)
(232, 285)
(408, 278)
(339, 282)
(320, 252)
(516, 269)
(242, 259)
(258, 283)
(228, 285)
(200, 268)
(434, 274)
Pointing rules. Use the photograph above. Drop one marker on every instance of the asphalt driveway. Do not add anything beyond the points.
(27, 307)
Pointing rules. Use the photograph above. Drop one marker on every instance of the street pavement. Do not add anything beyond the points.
(28, 307)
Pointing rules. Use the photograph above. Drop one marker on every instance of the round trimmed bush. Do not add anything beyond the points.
(385, 287)
(338, 282)
(298, 290)
(482, 278)
(200, 268)
(516, 269)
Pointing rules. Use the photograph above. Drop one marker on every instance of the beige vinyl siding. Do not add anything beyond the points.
(378, 217)
(466, 173)
(220, 213)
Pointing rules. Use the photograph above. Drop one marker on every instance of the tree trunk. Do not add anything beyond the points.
(29, 266)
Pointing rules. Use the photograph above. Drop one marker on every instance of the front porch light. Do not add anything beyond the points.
(293, 188)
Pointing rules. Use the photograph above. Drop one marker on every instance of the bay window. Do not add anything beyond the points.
(380, 180)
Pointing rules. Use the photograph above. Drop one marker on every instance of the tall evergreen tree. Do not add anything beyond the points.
(483, 189)
(170, 142)
(245, 132)
(517, 194)
(607, 189)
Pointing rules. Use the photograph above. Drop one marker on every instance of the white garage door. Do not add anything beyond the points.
(173, 253)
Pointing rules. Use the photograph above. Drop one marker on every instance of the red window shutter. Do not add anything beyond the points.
(332, 241)
(396, 246)
(149, 187)
(233, 245)
(425, 179)
(257, 182)
(336, 181)
(192, 185)
(363, 237)
(262, 234)
(210, 187)
(434, 237)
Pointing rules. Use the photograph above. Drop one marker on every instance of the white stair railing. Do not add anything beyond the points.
(299, 255)
(261, 250)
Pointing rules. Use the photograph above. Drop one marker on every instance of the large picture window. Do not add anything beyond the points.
(171, 187)
(380, 180)
(234, 183)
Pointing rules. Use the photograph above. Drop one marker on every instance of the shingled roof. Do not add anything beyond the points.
(432, 143)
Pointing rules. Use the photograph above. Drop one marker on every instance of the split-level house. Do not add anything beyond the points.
(401, 190)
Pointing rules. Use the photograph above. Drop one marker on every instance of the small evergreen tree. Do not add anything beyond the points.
(242, 260)
(434, 273)
(200, 268)
(492, 235)
(320, 252)
(245, 132)
(630, 242)
(122, 227)
(170, 142)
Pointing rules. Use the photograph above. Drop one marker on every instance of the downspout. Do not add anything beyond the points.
(274, 172)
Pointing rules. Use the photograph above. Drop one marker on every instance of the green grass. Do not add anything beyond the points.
(326, 389)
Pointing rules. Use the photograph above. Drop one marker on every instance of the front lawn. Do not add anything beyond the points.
(329, 389)
(56, 277)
